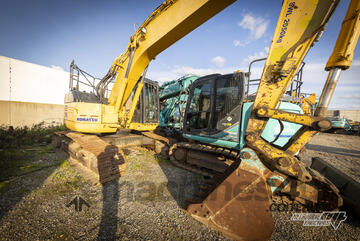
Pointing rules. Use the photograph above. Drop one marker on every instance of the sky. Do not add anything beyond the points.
(94, 33)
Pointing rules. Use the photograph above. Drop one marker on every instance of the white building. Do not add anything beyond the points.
(31, 93)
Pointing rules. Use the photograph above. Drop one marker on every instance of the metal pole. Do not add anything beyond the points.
(123, 85)
(249, 73)
(71, 75)
(328, 92)
(129, 64)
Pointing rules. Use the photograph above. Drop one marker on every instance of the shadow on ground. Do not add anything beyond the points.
(110, 194)
(22, 171)
(181, 184)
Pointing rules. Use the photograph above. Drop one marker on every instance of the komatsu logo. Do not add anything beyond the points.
(87, 119)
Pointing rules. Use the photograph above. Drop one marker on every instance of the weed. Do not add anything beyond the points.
(28, 167)
(22, 191)
(4, 184)
(143, 151)
(50, 148)
(136, 166)
(161, 160)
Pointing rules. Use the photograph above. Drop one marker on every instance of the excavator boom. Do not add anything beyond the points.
(171, 21)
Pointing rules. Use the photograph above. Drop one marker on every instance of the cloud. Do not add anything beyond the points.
(183, 70)
(257, 55)
(256, 25)
(238, 43)
(351, 97)
(218, 61)
(344, 87)
(57, 67)
(178, 71)
(346, 93)
(161, 76)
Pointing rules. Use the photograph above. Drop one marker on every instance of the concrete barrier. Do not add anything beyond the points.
(18, 114)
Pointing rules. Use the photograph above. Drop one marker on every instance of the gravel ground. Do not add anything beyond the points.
(341, 151)
(146, 203)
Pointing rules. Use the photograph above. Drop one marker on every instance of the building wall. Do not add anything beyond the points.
(19, 114)
(31, 93)
(349, 114)
(27, 82)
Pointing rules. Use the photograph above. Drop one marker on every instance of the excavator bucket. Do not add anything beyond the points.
(239, 206)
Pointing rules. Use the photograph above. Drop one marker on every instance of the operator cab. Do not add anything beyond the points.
(148, 107)
(218, 110)
(214, 103)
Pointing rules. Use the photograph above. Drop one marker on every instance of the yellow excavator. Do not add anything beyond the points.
(254, 168)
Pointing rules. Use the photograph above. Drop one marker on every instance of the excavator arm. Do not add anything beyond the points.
(301, 23)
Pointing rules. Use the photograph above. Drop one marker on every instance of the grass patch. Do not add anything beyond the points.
(50, 148)
(161, 160)
(65, 164)
(143, 151)
(22, 191)
(63, 181)
(21, 148)
(29, 167)
(14, 162)
(135, 166)
(22, 136)
(4, 185)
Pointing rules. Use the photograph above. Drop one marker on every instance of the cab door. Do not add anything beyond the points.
(214, 107)
(200, 107)
(228, 93)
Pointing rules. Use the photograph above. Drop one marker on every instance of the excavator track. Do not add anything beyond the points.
(197, 166)
(96, 160)
(328, 195)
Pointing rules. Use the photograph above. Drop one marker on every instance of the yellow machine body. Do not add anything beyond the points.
(91, 117)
